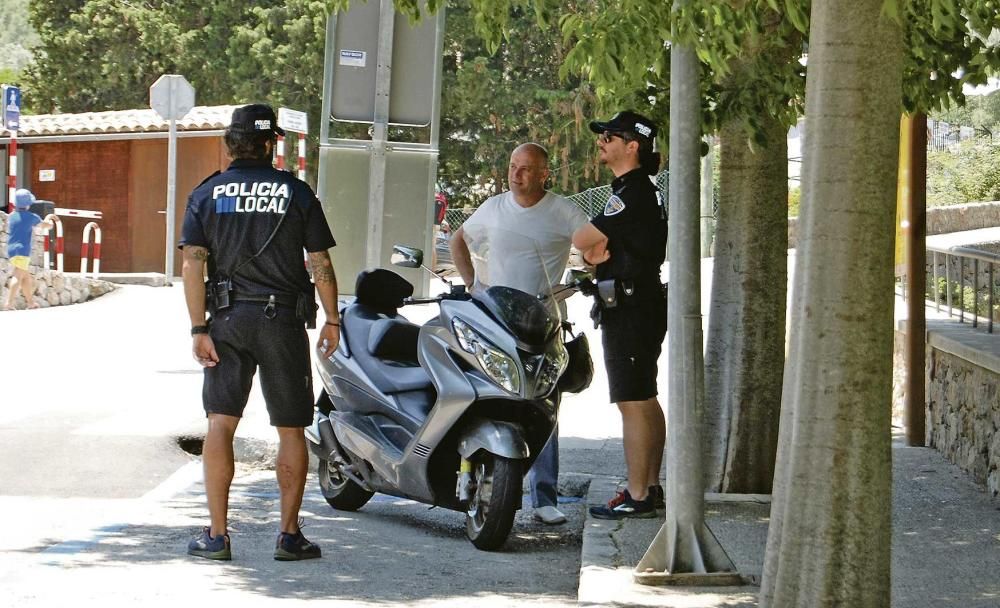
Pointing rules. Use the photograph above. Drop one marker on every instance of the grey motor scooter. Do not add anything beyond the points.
(451, 413)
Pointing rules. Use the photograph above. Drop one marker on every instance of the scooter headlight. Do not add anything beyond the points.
(497, 365)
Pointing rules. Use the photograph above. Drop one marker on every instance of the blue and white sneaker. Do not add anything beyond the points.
(294, 547)
(623, 505)
(204, 545)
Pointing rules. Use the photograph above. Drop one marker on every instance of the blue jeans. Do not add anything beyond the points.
(543, 478)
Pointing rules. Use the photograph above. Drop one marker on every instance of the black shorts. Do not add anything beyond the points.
(246, 339)
(632, 337)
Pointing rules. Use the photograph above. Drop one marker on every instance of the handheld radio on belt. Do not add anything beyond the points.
(219, 291)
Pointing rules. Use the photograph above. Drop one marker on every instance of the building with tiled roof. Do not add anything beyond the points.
(201, 120)
(116, 163)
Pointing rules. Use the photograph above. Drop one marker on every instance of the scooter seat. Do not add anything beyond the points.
(389, 354)
(394, 340)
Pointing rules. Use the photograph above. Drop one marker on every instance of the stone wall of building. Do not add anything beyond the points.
(52, 288)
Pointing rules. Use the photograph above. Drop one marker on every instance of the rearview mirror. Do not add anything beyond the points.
(407, 257)
(575, 276)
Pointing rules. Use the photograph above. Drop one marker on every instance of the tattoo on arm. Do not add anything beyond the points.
(322, 267)
(196, 253)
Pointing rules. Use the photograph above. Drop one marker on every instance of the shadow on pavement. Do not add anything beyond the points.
(391, 551)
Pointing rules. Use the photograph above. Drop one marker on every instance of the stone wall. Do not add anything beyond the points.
(962, 381)
(940, 220)
(956, 218)
(52, 288)
(963, 415)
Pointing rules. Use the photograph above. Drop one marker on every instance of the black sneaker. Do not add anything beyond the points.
(657, 493)
(205, 546)
(293, 547)
(623, 505)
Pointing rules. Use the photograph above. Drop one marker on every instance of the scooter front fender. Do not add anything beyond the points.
(501, 438)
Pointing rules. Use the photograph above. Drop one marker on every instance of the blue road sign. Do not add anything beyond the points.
(11, 107)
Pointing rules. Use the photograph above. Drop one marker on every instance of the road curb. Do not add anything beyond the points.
(599, 553)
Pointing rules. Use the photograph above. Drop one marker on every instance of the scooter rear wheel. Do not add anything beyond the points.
(491, 509)
(340, 492)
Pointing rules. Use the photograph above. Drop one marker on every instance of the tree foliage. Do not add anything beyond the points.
(950, 43)
(494, 101)
(981, 112)
(270, 50)
(966, 173)
(16, 39)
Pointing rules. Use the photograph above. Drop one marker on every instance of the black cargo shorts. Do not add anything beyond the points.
(245, 340)
(632, 336)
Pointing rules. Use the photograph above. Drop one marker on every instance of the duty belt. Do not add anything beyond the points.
(271, 302)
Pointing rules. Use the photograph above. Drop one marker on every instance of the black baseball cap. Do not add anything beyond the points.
(627, 120)
(256, 117)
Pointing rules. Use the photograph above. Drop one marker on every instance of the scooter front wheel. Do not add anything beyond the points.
(340, 492)
(491, 509)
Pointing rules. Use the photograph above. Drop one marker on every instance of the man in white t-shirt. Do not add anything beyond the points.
(548, 220)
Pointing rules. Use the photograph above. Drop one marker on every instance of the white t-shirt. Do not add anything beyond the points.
(520, 236)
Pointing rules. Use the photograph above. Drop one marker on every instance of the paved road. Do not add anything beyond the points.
(100, 500)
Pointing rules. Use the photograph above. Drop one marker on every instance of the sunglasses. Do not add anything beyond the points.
(607, 136)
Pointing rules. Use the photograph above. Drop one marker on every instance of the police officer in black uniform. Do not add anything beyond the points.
(627, 243)
(250, 224)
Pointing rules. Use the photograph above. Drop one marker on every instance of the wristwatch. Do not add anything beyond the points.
(199, 329)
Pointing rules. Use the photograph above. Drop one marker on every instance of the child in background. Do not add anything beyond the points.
(21, 225)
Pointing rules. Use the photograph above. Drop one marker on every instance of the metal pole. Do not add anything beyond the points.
(961, 289)
(12, 171)
(171, 199)
(975, 292)
(916, 279)
(684, 491)
(947, 282)
(685, 550)
(707, 202)
(380, 131)
(937, 292)
(331, 50)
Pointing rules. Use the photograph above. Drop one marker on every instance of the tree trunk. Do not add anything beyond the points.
(745, 353)
(829, 538)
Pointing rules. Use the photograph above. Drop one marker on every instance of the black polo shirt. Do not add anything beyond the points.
(635, 221)
(232, 214)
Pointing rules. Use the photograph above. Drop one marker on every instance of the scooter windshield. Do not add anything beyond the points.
(514, 280)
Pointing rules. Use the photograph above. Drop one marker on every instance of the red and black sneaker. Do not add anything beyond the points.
(623, 505)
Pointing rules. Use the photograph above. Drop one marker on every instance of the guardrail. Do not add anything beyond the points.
(971, 288)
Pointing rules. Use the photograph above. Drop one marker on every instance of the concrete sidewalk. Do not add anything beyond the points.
(945, 543)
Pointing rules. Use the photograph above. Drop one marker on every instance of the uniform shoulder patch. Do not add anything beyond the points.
(614, 206)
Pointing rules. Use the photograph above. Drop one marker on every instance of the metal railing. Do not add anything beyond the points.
(970, 289)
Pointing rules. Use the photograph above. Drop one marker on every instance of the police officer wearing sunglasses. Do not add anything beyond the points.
(627, 244)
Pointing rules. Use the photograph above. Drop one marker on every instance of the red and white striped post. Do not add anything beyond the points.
(280, 151)
(11, 170)
(302, 156)
(57, 224)
(85, 246)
